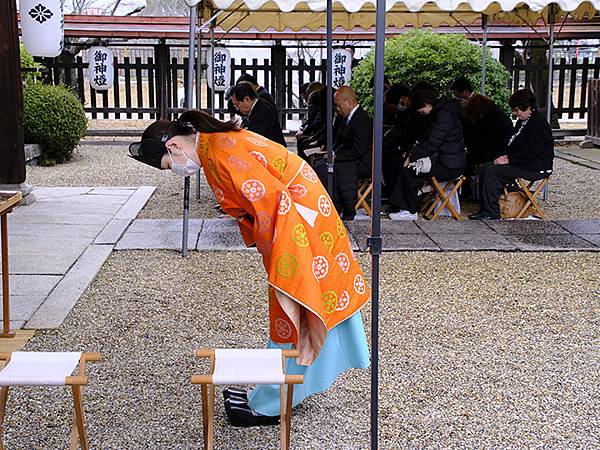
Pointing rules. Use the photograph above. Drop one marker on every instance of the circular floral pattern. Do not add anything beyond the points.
(265, 221)
(343, 261)
(262, 159)
(239, 163)
(285, 203)
(308, 173)
(299, 235)
(257, 141)
(327, 239)
(287, 265)
(330, 301)
(343, 301)
(320, 267)
(283, 328)
(351, 251)
(297, 191)
(226, 141)
(324, 205)
(253, 190)
(213, 170)
(279, 163)
(341, 229)
(360, 286)
(203, 147)
(219, 195)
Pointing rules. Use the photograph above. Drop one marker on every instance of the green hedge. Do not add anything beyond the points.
(435, 58)
(55, 119)
(27, 62)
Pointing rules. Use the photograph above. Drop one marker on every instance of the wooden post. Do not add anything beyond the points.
(161, 57)
(12, 155)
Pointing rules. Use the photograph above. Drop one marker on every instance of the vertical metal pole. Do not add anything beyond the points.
(189, 100)
(484, 25)
(212, 68)
(199, 13)
(329, 92)
(552, 11)
(375, 238)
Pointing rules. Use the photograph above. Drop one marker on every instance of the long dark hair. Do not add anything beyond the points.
(188, 123)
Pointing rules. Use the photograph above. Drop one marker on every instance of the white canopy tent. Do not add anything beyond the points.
(349, 14)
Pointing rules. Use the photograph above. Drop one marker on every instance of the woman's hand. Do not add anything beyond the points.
(501, 160)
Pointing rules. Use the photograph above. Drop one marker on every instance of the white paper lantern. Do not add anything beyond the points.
(341, 67)
(42, 26)
(101, 71)
(220, 65)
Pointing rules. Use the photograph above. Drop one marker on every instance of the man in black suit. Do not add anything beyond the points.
(260, 115)
(261, 91)
(353, 148)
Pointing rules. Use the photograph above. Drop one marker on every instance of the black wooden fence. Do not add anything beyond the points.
(154, 87)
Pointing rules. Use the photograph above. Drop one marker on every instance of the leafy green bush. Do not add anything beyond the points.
(27, 62)
(55, 119)
(435, 58)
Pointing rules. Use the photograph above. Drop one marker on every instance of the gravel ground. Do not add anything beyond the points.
(465, 362)
(574, 189)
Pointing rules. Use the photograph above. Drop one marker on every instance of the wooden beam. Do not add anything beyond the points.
(12, 154)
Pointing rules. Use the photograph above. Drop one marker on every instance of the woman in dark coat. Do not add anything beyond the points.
(529, 155)
(441, 153)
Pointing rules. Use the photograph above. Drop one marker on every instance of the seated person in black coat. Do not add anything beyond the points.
(441, 153)
(529, 155)
(396, 101)
(487, 130)
(308, 135)
(260, 115)
(353, 148)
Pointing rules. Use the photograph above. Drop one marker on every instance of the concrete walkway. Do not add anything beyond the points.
(587, 157)
(58, 245)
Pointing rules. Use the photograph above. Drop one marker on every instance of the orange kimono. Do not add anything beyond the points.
(282, 208)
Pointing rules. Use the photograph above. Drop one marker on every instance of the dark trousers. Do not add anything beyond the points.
(345, 185)
(404, 196)
(493, 178)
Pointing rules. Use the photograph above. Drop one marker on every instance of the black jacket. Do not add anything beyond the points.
(263, 120)
(487, 138)
(533, 148)
(443, 142)
(354, 139)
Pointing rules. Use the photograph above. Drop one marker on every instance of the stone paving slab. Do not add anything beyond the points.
(593, 238)
(65, 295)
(221, 234)
(27, 285)
(544, 242)
(525, 227)
(162, 234)
(363, 228)
(454, 227)
(580, 227)
(471, 241)
(407, 242)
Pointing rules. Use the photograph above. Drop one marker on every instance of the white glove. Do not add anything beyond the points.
(422, 165)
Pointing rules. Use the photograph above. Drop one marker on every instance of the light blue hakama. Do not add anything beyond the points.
(345, 347)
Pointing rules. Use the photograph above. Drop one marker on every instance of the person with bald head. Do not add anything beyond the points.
(353, 148)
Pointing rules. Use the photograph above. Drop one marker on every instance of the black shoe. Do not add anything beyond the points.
(240, 394)
(240, 415)
(482, 215)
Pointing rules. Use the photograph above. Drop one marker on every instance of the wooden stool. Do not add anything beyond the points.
(365, 186)
(247, 366)
(531, 196)
(48, 369)
(442, 196)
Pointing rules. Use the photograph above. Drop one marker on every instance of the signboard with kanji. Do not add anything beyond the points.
(101, 71)
(220, 66)
(341, 67)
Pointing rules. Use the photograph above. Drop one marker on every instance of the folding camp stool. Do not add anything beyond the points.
(443, 197)
(48, 369)
(365, 186)
(531, 195)
(247, 366)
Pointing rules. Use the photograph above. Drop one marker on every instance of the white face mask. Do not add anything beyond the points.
(185, 170)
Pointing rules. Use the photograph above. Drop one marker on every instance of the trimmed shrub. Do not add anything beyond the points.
(27, 62)
(435, 58)
(55, 119)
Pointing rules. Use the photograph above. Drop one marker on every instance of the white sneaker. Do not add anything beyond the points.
(403, 215)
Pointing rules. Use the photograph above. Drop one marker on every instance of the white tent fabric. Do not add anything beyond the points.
(350, 14)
